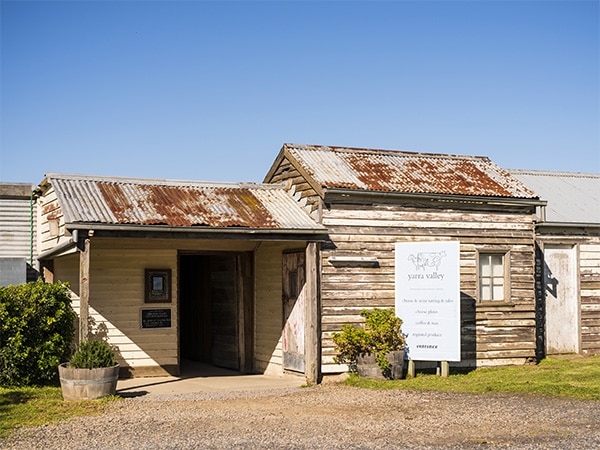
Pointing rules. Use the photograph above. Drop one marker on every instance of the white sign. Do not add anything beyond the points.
(428, 298)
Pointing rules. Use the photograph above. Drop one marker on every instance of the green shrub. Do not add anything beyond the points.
(381, 334)
(93, 354)
(36, 331)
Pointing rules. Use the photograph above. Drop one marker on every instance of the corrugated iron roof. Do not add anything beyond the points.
(405, 172)
(572, 197)
(126, 201)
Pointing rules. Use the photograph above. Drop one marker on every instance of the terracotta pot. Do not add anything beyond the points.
(87, 384)
(366, 366)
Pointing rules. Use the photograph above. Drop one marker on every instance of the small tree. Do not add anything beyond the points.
(36, 332)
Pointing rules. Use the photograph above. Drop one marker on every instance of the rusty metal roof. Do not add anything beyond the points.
(405, 172)
(126, 201)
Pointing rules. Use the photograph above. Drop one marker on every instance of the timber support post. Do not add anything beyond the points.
(84, 287)
(312, 355)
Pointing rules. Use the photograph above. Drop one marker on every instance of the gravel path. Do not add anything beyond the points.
(329, 416)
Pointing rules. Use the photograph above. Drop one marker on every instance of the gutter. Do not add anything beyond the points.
(59, 249)
(198, 229)
(567, 225)
(112, 230)
(342, 194)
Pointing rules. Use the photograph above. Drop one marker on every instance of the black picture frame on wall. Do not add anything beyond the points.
(157, 286)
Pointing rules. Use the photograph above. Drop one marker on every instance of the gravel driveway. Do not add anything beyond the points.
(329, 416)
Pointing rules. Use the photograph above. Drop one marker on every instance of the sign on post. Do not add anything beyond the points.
(428, 298)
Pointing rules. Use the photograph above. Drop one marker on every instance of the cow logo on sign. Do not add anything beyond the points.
(424, 260)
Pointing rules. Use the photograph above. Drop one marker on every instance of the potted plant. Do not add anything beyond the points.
(91, 373)
(376, 349)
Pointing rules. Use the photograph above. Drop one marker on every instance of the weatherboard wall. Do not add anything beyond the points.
(17, 234)
(117, 295)
(492, 332)
(589, 272)
(16, 220)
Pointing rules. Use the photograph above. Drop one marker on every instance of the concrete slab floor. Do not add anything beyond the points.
(198, 377)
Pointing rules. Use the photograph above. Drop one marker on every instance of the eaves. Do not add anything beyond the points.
(235, 233)
(341, 195)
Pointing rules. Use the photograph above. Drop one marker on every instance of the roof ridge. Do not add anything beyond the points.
(552, 172)
(344, 149)
(162, 181)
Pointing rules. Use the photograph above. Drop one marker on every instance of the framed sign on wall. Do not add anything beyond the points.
(157, 286)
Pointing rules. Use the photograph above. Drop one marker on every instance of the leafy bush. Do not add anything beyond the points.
(93, 354)
(381, 334)
(36, 331)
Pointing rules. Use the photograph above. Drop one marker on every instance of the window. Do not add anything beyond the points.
(491, 277)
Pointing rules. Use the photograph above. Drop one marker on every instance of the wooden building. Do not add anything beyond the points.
(370, 199)
(257, 277)
(171, 271)
(17, 231)
(568, 236)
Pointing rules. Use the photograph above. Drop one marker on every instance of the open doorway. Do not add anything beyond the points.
(215, 304)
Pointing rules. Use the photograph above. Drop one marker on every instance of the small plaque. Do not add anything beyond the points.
(155, 318)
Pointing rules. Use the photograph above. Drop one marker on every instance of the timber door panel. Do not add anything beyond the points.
(562, 299)
(294, 307)
(224, 299)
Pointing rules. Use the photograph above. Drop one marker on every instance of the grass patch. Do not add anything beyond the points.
(575, 378)
(29, 406)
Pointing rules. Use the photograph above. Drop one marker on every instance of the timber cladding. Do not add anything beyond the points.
(589, 263)
(49, 211)
(116, 281)
(492, 333)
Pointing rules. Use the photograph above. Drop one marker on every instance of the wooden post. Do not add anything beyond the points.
(412, 371)
(445, 368)
(84, 289)
(312, 354)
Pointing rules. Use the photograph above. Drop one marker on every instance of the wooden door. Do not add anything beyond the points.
(224, 304)
(562, 299)
(294, 307)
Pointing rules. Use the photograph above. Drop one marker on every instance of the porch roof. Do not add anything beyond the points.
(118, 203)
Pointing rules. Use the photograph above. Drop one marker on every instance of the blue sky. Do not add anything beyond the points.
(211, 90)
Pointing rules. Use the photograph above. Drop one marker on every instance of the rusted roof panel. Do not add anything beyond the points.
(406, 172)
(122, 201)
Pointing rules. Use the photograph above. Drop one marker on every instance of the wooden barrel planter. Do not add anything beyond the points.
(366, 366)
(87, 384)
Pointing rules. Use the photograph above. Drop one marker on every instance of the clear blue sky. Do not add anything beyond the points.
(211, 90)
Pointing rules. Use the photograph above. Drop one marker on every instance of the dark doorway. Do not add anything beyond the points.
(214, 312)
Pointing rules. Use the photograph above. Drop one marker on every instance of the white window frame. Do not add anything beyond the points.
(505, 288)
